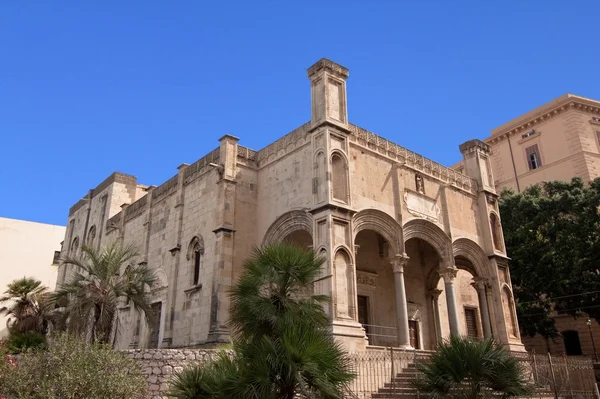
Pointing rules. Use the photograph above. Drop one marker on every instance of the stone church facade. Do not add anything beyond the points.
(414, 249)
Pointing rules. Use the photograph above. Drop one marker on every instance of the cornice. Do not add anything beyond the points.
(578, 103)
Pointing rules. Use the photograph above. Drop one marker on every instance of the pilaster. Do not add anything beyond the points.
(224, 246)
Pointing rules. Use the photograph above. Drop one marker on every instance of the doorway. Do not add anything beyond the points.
(363, 313)
(413, 330)
(572, 343)
(155, 332)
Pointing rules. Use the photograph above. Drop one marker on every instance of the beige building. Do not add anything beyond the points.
(556, 141)
(28, 249)
(414, 249)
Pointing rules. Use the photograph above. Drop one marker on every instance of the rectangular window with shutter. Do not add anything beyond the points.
(471, 321)
(533, 157)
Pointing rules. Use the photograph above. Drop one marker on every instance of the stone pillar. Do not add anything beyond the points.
(224, 245)
(479, 285)
(398, 262)
(449, 274)
(435, 295)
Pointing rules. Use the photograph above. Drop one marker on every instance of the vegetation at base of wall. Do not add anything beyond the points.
(469, 369)
(552, 234)
(101, 281)
(18, 342)
(71, 368)
(282, 348)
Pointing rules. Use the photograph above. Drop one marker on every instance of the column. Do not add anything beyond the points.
(435, 295)
(479, 284)
(449, 274)
(398, 262)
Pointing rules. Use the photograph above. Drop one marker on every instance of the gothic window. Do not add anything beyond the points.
(496, 232)
(533, 157)
(75, 245)
(339, 178)
(91, 236)
(419, 184)
(195, 255)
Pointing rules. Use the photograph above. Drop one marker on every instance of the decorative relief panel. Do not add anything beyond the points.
(334, 100)
(366, 278)
(322, 231)
(421, 206)
(337, 143)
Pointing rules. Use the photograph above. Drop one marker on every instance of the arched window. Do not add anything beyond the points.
(196, 255)
(496, 232)
(339, 178)
(91, 236)
(74, 245)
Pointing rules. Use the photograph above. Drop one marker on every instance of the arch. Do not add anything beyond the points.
(427, 231)
(496, 231)
(286, 224)
(161, 279)
(380, 222)
(339, 177)
(196, 245)
(469, 250)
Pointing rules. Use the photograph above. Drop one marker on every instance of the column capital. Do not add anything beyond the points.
(479, 283)
(448, 274)
(435, 293)
(398, 262)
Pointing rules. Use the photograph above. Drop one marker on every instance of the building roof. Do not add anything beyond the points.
(544, 112)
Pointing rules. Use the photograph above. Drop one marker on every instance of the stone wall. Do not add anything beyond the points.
(159, 365)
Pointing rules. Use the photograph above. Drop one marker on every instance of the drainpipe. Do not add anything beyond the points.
(512, 158)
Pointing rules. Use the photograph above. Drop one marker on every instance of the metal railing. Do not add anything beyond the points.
(390, 372)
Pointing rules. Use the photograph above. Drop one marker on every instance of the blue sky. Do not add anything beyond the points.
(87, 88)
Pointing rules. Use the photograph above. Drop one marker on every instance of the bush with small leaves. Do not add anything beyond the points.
(71, 368)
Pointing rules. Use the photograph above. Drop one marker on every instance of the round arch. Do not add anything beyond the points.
(427, 231)
(380, 222)
(469, 250)
(161, 280)
(287, 224)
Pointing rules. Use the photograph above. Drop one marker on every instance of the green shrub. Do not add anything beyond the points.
(18, 342)
(73, 369)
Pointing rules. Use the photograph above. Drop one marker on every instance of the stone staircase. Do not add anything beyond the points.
(400, 386)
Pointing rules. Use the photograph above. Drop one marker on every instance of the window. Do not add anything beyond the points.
(197, 263)
(533, 157)
(572, 343)
(91, 236)
(471, 322)
(56, 258)
(75, 246)
(339, 179)
(528, 134)
(195, 254)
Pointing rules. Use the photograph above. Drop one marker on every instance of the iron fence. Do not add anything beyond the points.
(390, 372)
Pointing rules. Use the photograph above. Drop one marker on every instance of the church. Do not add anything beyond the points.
(414, 249)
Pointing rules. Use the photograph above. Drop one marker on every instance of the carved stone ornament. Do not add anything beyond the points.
(435, 293)
(414, 310)
(479, 283)
(492, 199)
(448, 274)
(366, 278)
(398, 262)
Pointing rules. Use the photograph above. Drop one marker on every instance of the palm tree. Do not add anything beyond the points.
(97, 287)
(30, 308)
(468, 369)
(282, 348)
